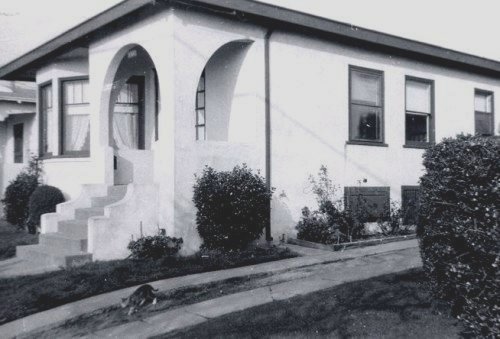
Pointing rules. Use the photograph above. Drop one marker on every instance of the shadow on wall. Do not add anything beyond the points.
(186, 229)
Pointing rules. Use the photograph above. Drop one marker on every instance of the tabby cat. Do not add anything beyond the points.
(143, 294)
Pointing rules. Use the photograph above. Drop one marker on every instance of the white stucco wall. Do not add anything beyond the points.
(310, 105)
(25, 114)
(236, 131)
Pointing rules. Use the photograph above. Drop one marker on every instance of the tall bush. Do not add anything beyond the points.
(233, 207)
(18, 192)
(44, 199)
(458, 228)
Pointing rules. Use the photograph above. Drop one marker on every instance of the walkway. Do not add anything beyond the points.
(315, 271)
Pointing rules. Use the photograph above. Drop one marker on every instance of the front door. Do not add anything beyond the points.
(129, 130)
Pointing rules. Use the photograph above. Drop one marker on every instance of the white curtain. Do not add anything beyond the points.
(77, 133)
(125, 130)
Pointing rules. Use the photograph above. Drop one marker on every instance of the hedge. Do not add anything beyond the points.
(458, 228)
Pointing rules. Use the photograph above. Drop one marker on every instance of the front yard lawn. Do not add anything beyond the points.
(392, 306)
(22, 296)
(10, 237)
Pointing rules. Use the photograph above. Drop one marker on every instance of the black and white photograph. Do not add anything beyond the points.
(249, 169)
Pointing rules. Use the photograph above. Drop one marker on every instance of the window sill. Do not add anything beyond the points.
(422, 146)
(366, 143)
(67, 157)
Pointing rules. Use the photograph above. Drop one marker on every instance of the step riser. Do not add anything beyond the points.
(76, 245)
(74, 230)
(85, 214)
(103, 201)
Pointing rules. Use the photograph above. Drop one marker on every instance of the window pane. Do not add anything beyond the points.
(18, 143)
(77, 132)
(368, 203)
(200, 117)
(416, 127)
(200, 102)
(484, 123)
(418, 96)
(365, 123)
(46, 119)
(483, 102)
(366, 88)
(200, 133)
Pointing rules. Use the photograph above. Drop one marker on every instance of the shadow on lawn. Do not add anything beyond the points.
(391, 306)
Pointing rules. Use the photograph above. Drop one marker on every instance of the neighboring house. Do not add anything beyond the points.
(18, 130)
(149, 92)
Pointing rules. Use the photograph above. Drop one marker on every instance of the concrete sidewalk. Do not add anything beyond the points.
(314, 271)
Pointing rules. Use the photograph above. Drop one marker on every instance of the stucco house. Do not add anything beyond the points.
(135, 101)
(17, 115)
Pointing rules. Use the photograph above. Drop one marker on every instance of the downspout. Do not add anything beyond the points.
(268, 121)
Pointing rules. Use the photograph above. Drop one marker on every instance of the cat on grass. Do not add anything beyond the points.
(143, 294)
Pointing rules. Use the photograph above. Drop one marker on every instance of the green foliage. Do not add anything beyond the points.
(458, 228)
(18, 192)
(43, 200)
(232, 207)
(154, 247)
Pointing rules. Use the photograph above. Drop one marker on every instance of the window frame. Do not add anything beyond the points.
(431, 127)
(42, 154)
(381, 74)
(62, 152)
(204, 108)
(20, 152)
(492, 113)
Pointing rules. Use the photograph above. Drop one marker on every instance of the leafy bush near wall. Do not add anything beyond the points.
(18, 192)
(44, 199)
(233, 207)
(394, 224)
(458, 228)
(154, 247)
(330, 223)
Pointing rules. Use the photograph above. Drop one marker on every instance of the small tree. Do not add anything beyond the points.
(18, 192)
(233, 207)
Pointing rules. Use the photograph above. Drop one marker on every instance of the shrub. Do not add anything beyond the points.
(43, 200)
(154, 247)
(458, 228)
(330, 223)
(18, 192)
(233, 207)
(394, 223)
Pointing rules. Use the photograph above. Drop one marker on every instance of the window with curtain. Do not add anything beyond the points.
(201, 133)
(366, 105)
(483, 107)
(18, 131)
(419, 112)
(75, 117)
(126, 117)
(46, 120)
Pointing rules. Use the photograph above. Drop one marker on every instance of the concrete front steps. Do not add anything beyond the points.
(68, 246)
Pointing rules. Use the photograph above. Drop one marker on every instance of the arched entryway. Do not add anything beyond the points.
(133, 115)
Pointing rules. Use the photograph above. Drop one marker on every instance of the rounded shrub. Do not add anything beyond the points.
(16, 198)
(43, 200)
(233, 207)
(458, 228)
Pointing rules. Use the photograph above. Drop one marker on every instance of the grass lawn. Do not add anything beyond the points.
(22, 296)
(10, 237)
(391, 306)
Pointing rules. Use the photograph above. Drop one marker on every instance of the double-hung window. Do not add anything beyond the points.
(75, 136)
(46, 120)
(18, 130)
(419, 124)
(201, 132)
(366, 111)
(483, 106)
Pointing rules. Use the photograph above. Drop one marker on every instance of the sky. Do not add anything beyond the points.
(467, 26)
